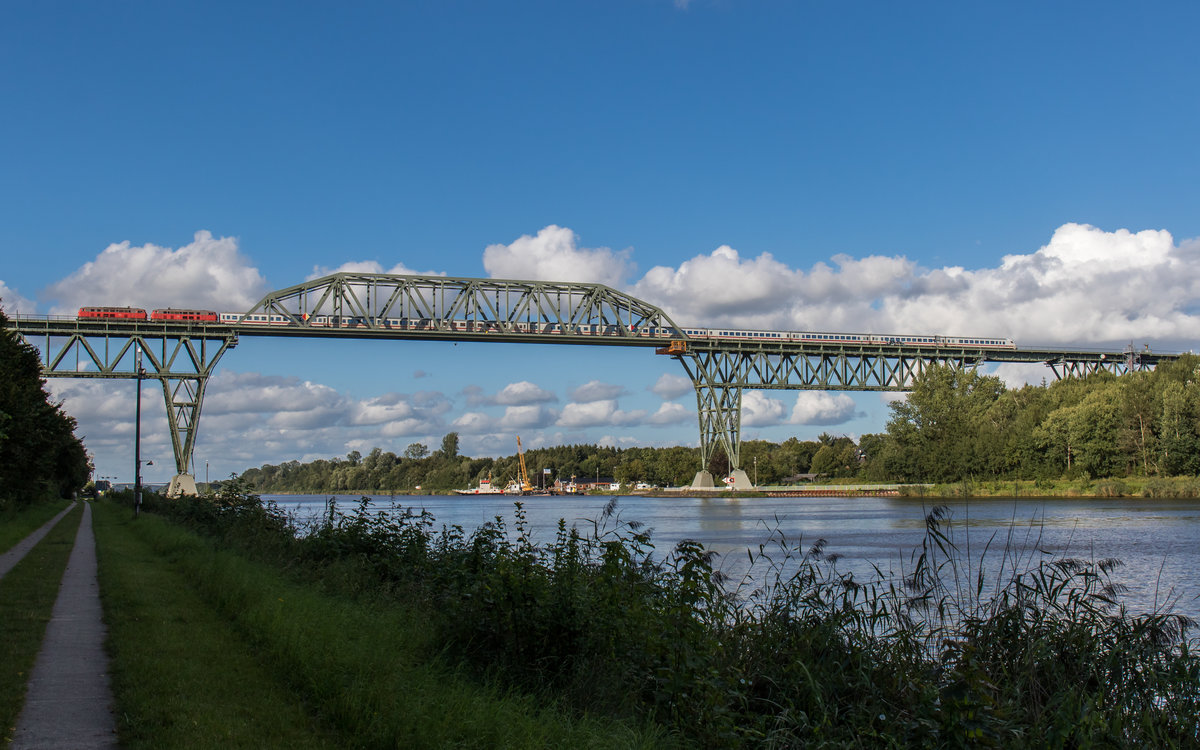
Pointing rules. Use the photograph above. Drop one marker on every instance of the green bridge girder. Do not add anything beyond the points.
(721, 370)
(458, 309)
(180, 357)
(183, 355)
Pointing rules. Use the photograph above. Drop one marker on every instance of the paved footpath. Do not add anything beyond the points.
(68, 702)
(20, 549)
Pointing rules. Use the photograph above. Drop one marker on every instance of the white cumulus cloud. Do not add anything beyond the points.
(13, 303)
(208, 273)
(370, 267)
(718, 287)
(671, 413)
(473, 423)
(554, 255)
(232, 392)
(822, 407)
(760, 410)
(524, 417)
(670, 387)
(523, 393)
(596, 413)
(594, 390)
(381, 410)
(1086, 286)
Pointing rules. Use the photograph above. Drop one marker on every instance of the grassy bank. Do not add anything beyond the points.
(1132, 487)
(808, 656)
(15, 525)
(27, 595)
(212, 649)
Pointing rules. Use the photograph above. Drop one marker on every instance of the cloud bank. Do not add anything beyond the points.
(554, 255)
(1086, 287)
(207, 273)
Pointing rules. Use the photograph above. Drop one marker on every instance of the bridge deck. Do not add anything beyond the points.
(62, 326)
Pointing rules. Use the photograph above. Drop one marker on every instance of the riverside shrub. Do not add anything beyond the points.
(808, 654)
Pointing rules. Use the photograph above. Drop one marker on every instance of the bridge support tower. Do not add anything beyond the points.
(180, 356)
(719, 408)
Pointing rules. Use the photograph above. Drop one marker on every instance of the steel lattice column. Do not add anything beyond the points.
(719, 377)
(181, 357)
(184, 397)
(719, 408)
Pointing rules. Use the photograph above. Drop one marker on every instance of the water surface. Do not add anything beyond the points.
(1158, 541)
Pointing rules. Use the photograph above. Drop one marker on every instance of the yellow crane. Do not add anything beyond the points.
(523, 475)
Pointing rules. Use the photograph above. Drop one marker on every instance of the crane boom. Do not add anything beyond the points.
(523, 475)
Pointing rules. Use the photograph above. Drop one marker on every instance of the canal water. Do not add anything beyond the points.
(1157, 541)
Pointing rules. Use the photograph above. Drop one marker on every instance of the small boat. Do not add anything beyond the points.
(485, 488)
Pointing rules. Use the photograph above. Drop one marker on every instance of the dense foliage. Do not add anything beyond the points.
(959, 424)
(40, 456)
(806, 656)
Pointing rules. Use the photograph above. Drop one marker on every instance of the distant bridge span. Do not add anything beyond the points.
(183, 354)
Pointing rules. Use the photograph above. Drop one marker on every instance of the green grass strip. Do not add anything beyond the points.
(15, 526)
(183, 676)
(27, 597)
(368, 671)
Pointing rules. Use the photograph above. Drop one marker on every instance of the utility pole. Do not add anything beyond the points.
(137, 434)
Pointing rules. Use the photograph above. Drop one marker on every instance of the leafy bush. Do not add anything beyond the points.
(807, 654)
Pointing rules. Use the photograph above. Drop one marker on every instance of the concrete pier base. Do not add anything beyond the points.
(740, 481)
(182, 484)
(703, 480)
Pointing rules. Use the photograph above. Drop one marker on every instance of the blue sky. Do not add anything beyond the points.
(1026, 170)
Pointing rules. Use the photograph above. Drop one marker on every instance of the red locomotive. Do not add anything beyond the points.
(117, 313)
(137, 313)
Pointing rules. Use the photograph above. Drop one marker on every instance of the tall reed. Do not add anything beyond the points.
(953, 650)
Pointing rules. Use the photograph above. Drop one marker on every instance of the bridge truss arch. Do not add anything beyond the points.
(450, 307)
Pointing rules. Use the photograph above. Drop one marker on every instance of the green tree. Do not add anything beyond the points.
(40, 456)
(416, 451)
(1179, 442)
(934, 432)
(449, 445)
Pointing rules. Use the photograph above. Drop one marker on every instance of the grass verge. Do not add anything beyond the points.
(183, 676)
(207, 644)
(27, 597)
(16, 525)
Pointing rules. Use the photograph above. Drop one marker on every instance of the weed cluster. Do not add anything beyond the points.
(1159, 487)
(940, 655)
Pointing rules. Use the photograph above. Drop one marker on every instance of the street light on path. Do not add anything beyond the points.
(137, 433)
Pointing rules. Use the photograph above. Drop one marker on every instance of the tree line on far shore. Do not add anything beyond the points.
(961, 425)
(955, 425)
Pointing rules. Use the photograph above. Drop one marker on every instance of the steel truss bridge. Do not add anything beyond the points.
(182, 355)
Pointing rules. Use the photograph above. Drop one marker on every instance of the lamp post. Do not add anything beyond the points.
(137, 434)
(145, 462)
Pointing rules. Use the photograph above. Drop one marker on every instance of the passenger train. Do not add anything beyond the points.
(480, 326)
